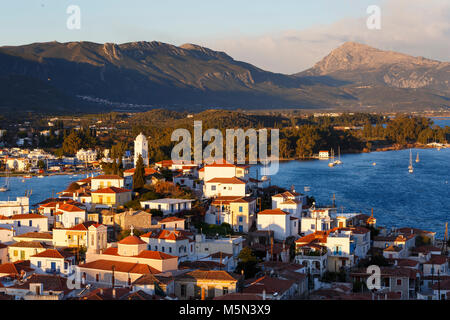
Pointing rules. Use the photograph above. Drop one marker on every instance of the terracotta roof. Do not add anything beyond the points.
(146, 254)
(151, 279)
(30, 244)
(111, 190)
(107, 177)
(50, 283)
(437, 259)
(214, 275)
(425, 249)
(148, 171)
(267, 284)
(70, 208)
(239, 296)
(23, 216)
(174, 235)
(131, 240)
(52, 253)
(170, 219)
(14, 268)
(106, 294)
(39, 235)
(127, 267)
(444, 285)
(276, 211)
(232, 180)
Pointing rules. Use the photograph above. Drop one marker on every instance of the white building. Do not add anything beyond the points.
(175, 242)
(315, 220)
(280, 222)
(230, 245)
(53, 261)
(141, 148)
(289, 201)
(86, 155)
(19, 206)
(106, 181)
(168, 206)
(24, 223)
(222, 187)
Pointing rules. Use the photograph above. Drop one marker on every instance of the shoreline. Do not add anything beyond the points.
(365, 150)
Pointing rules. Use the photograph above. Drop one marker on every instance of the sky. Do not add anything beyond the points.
(285, 36)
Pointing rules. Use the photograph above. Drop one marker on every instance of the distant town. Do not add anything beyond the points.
(132, 228)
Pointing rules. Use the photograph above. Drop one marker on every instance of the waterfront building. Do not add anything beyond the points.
(86, 155)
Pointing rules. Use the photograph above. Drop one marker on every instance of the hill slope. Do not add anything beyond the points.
(194, 77)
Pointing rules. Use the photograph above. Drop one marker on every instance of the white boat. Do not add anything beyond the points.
(410, 168)
(374, 164)
(41, 176)
(5, 187)
(338, 161)
(332, 163)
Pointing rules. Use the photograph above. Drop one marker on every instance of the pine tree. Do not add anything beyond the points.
(139, 174)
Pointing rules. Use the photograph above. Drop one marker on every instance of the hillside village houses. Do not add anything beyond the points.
(161, 251)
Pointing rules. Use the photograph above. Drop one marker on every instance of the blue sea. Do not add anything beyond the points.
(421, 199)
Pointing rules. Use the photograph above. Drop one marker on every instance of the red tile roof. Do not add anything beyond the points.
(107, 177)
(232, 180)
(23, 216)
(269, 285)
(111, 190)
(276, 211)
(132, 240)
(127, 267)
(15, 268)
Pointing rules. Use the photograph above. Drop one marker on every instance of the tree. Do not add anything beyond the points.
(247, 263)
(139, 174)
(71, 144)
(41, 164)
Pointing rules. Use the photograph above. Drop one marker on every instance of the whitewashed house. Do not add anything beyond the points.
(280, 222)
(168, 206)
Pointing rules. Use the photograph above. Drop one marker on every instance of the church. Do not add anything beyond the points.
(141, 148)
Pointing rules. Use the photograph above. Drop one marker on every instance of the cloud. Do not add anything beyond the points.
(419, 28)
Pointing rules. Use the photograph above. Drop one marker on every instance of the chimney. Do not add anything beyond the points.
(114, 293)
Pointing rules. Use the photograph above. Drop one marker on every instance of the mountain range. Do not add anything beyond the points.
(82, 76)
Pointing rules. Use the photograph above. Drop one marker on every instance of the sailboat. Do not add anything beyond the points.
(417, 158)
(5, 187)
(338, 161)
(410, 168)
(332, 163)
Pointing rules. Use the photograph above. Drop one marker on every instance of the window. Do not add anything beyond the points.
(39, 264)
(15, 253)
(225, 290)
(241, 209)
(170, 250)
(399, 282)
(162, 249)
(183, 290)
(241, 219)
(97, 277)
(30, 223)
(313, 226)
(213, 188)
